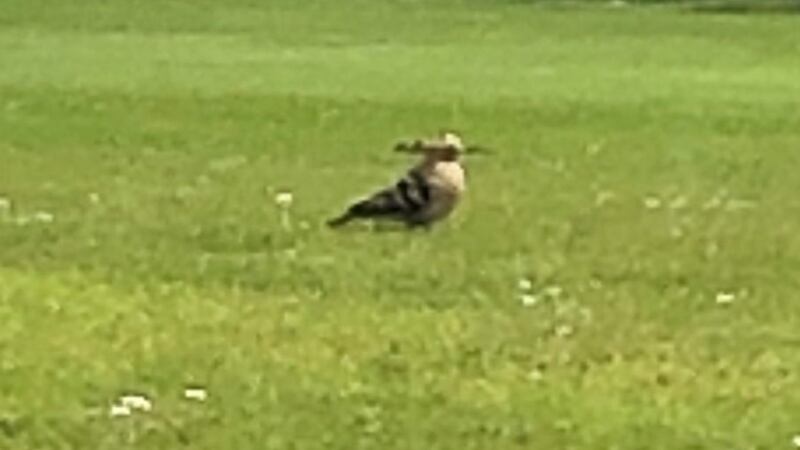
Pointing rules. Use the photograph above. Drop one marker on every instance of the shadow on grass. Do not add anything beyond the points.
(746, 7)
(698, 6)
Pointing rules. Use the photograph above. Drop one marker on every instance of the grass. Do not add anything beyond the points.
(645, 163)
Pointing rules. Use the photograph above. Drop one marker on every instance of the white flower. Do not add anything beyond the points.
(195, 394)
(679, 202)
(524, 284)
(564, 330)
(43, 216)
(652, 203)
(284, 199)
(119, 411)
(535, 375)
(528, 299)
(594, 148)
(553, 291)
(603, 197)
(724, 298)
(796, 440)
(136, 402)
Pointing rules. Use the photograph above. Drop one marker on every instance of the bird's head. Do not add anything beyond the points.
(448, 146)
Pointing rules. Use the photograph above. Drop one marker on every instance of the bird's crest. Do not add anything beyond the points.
(449, 145)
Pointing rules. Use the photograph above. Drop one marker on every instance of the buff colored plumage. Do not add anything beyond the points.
(429, 191)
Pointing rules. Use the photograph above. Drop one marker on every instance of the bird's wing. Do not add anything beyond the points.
(407, 196)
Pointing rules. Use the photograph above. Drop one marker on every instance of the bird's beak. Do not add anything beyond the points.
(477, 150)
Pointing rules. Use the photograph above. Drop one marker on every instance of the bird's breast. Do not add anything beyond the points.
(450, 175)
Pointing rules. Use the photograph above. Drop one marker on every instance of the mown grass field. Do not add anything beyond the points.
(644, 181)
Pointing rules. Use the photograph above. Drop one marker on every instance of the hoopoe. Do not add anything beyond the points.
(427, 193)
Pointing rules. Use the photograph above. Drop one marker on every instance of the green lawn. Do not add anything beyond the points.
(644, 180)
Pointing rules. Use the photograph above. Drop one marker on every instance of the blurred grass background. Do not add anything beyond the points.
(643, 177)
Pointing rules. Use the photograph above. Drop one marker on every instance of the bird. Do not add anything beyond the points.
(427, 193)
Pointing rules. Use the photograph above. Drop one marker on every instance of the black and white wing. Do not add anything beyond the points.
(403, 201)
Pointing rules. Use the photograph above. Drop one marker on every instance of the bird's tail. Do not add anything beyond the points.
(382, 204)
(341, 220)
